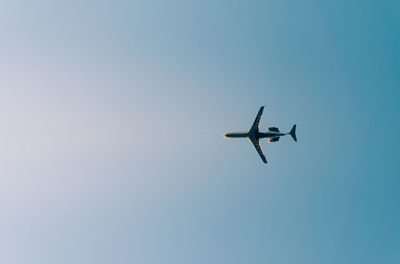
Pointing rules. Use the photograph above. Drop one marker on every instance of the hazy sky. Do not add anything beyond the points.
(112, 115)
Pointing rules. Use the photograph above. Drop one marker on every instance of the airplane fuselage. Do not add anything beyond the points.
(256, 134)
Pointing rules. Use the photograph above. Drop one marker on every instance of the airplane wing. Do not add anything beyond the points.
(256, 144)
(257, 120)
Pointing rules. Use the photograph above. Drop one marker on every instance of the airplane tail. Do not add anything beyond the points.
(293, 133)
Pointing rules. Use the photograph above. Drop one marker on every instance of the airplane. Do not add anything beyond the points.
(254, 135)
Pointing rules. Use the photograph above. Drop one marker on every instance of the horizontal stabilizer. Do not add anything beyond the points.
(293, 133)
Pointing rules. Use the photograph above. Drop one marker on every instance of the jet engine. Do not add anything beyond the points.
(273, 129)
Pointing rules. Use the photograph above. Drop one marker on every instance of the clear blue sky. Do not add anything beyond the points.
(112, 115)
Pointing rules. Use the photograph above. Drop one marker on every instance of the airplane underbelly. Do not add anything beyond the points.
(266, 135)
(236, 135)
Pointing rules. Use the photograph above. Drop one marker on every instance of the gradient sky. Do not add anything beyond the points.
(112, 115)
